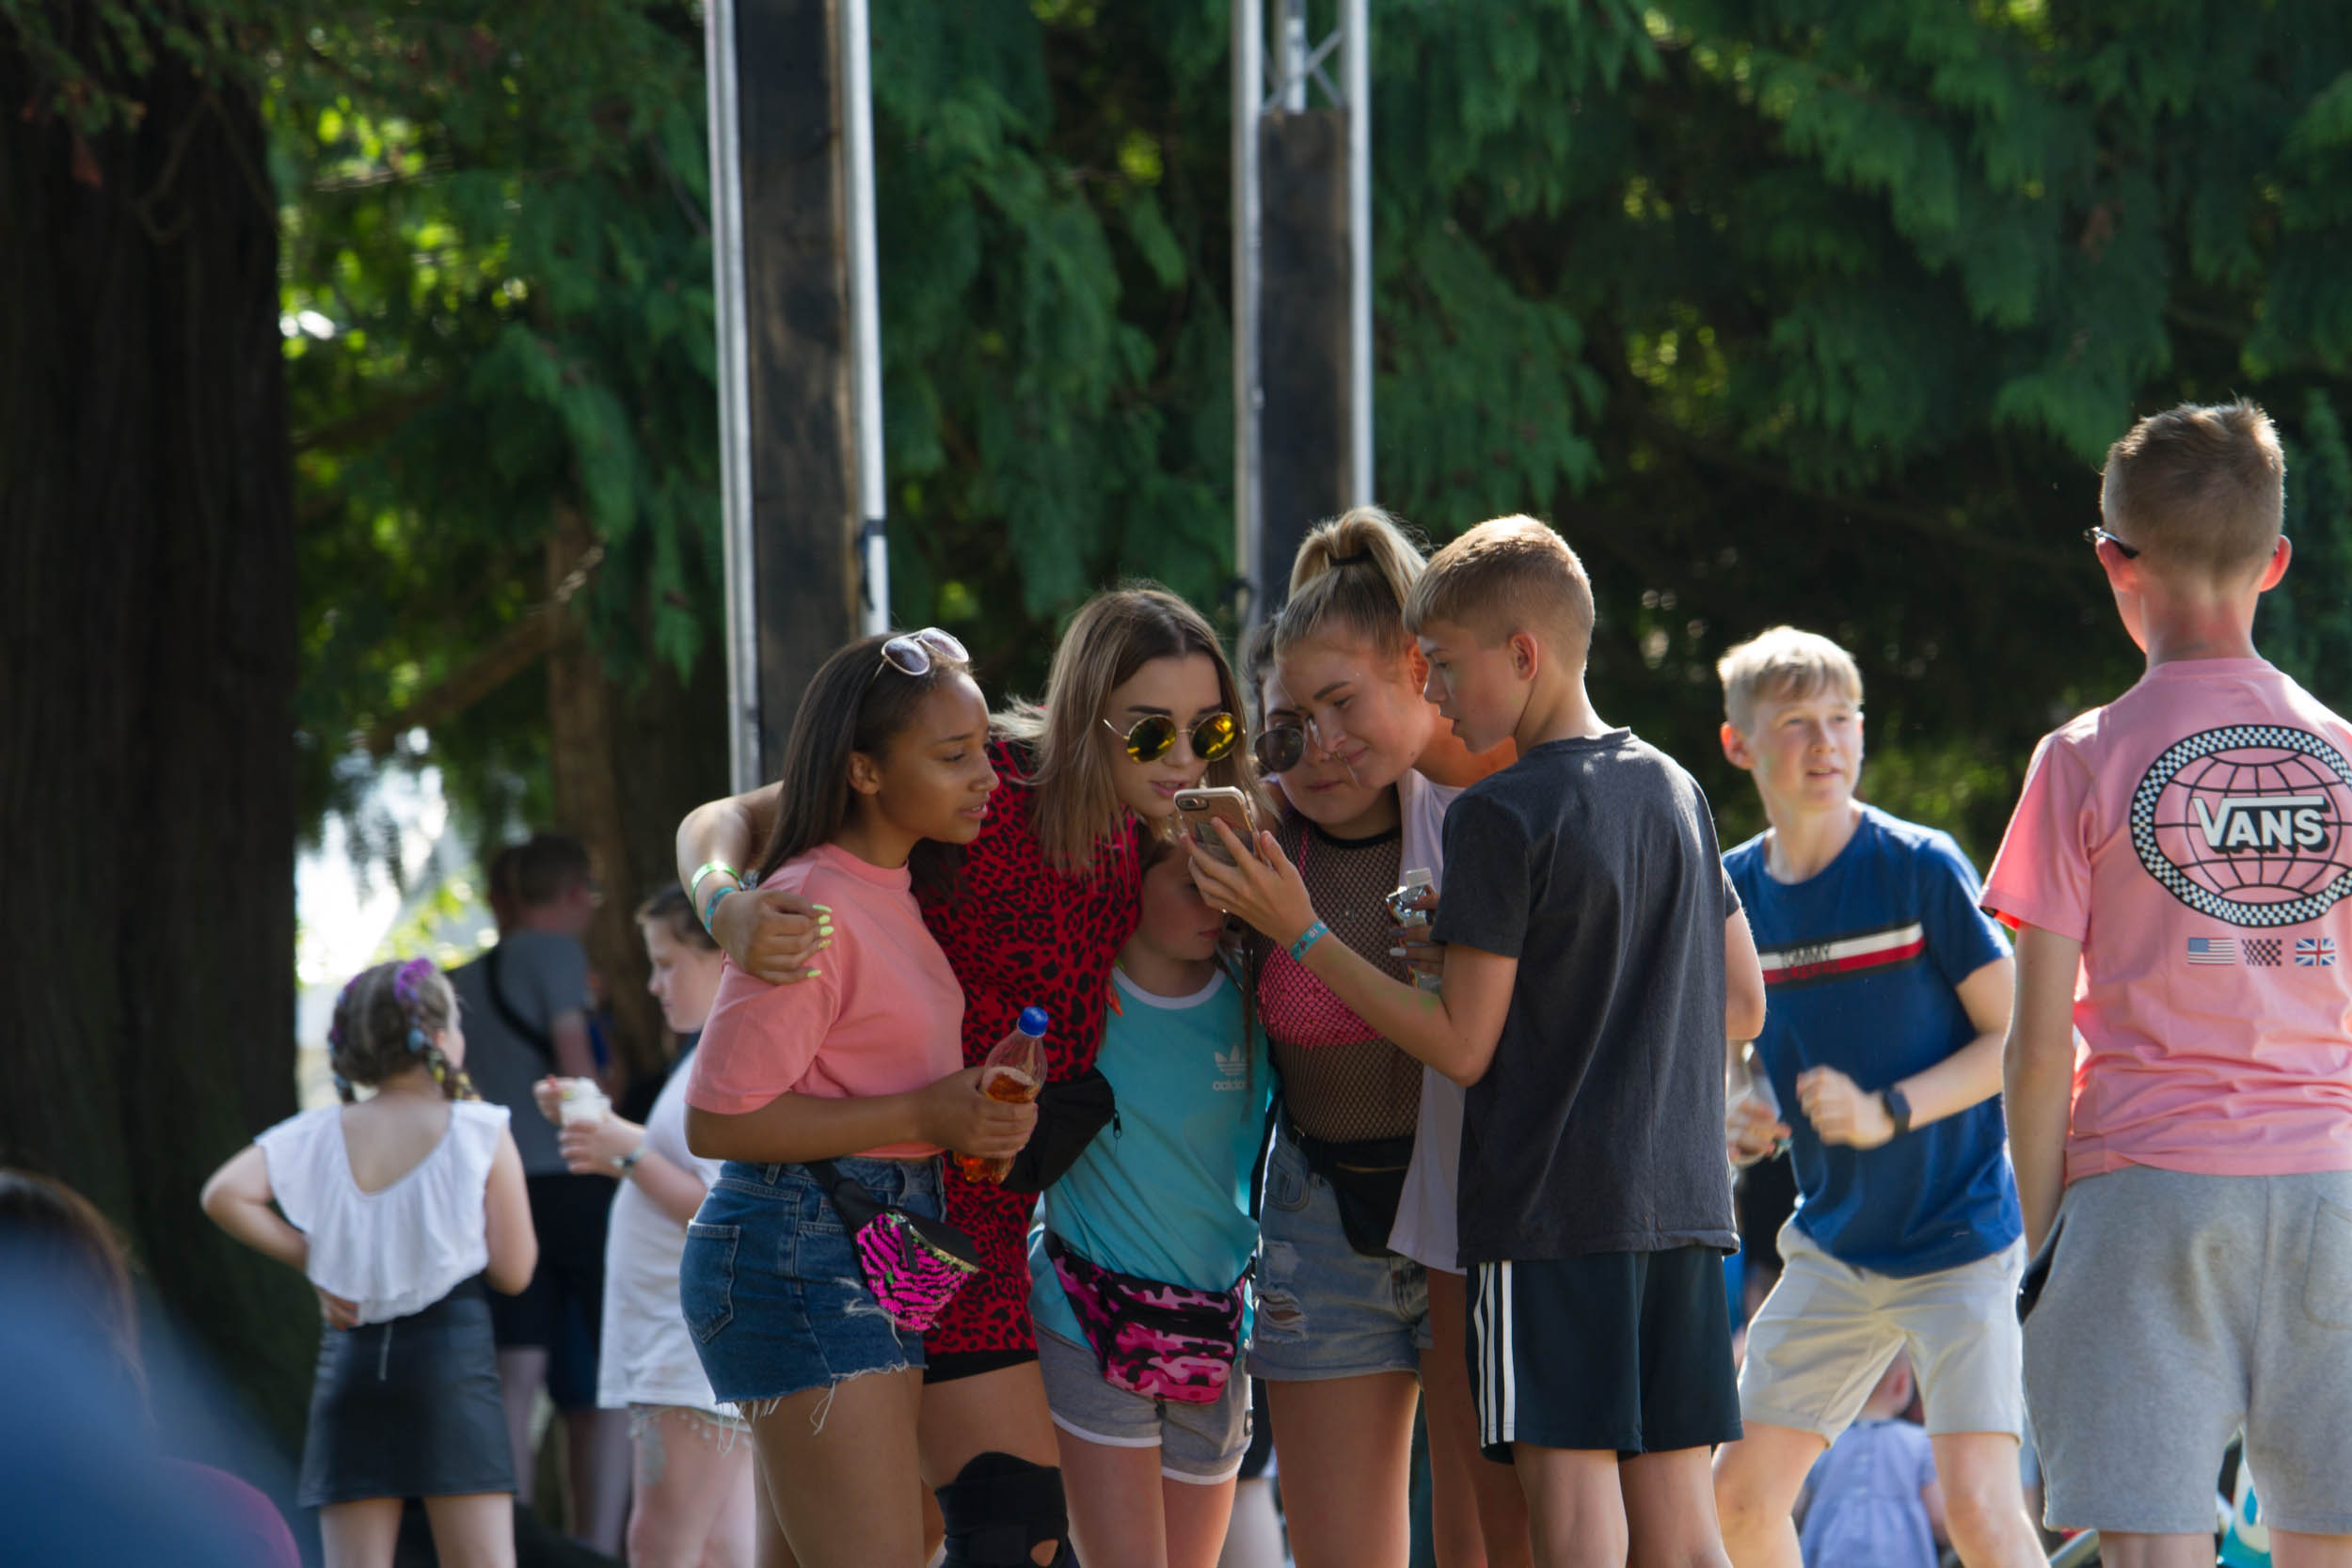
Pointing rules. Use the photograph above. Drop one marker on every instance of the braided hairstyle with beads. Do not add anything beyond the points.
(385, 1021)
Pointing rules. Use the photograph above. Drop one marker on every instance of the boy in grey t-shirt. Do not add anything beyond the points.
(1596, 959)
(525, 1003)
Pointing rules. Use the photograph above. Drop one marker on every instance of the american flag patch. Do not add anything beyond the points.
(2263, 952)
(2214, 950)
(2314, 951)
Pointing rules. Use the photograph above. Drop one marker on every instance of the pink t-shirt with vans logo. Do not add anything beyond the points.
(885, 1013)
(2195, 835)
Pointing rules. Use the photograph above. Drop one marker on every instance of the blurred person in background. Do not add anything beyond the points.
(526, 1005)
(1871, 1500)
(86, 1484)
(693, 1502)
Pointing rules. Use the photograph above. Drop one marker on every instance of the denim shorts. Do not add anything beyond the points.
(1325, 1310)
(769, 1287)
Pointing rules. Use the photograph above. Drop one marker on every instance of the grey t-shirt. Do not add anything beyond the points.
(541, 975)
(1599, 1125)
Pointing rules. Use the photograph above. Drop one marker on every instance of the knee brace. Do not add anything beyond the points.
(999, 1509)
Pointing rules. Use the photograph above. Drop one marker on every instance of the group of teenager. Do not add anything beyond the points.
(1463, 1151)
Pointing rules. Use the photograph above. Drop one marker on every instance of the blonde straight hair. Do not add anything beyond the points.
(1077, 812)
(1352, 575)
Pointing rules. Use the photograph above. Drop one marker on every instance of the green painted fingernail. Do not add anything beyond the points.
(827, 907)
(814, 973)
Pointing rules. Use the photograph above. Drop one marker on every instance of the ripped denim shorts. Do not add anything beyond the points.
(769, 1287)
(1325, 1310)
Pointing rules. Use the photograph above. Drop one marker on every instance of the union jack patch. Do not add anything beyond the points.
(2314, 951)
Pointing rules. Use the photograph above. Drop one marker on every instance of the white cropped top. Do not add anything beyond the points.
(400, 1249)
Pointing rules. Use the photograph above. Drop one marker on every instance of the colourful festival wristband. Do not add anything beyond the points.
(1307, 938)
(694, 887)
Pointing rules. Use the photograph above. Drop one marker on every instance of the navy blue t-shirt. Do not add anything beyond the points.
(1862, 965)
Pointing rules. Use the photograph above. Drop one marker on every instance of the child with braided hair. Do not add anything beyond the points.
(397, 1208)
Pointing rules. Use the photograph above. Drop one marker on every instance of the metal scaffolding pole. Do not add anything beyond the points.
(734, 414)
(865, 320)
(798, 353)
(1302, 285)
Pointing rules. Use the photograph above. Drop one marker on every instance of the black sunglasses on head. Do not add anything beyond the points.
(2092, 535)
(1152, 736)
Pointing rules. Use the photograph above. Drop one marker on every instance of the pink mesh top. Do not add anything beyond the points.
(1341, 1080)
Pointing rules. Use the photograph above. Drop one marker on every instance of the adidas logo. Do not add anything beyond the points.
(1232, 1069)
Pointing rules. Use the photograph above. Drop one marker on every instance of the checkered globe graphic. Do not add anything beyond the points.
(2250, 824)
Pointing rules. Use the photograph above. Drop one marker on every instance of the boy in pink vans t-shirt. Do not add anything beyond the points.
(2180, 874)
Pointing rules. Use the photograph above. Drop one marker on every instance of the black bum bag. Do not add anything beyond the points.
(1367, 1177)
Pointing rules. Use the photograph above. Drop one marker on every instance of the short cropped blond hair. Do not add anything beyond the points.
(2200, 485)
(1504, 576)
(1787, 665)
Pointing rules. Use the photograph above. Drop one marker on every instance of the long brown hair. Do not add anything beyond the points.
(1116, 633)
(857, 700)
(1352, 575)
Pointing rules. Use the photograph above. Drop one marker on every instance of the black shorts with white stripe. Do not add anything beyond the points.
(1628, 1351)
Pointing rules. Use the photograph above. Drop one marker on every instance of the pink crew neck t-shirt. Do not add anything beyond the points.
(885, 1013)
(2195, 835)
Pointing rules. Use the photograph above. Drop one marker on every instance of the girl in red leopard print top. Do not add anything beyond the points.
(1139, 704)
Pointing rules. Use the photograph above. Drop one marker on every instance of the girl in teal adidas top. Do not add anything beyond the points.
(1163, 1195)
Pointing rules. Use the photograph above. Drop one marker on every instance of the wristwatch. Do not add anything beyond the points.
(1897, 1108)
(627, 1162)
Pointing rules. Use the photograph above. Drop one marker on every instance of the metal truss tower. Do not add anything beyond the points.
(1302, 284)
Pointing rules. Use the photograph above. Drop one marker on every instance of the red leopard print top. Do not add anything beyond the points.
(1019, 934)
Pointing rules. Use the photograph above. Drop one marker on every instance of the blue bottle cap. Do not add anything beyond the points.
(1034, 1022)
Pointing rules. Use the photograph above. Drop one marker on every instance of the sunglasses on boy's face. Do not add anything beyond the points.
(912, 653)
(1153, 735)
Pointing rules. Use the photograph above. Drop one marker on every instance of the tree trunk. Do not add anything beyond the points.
(587, 800)
(147, 679)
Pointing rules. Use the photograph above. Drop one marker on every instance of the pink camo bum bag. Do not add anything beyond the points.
(1162, 1341)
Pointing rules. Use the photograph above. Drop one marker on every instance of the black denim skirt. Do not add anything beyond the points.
(408, 1408)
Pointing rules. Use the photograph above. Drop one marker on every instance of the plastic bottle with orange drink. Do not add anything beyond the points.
(1013, 1071)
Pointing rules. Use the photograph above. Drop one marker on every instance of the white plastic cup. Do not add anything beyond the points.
(583, 1101)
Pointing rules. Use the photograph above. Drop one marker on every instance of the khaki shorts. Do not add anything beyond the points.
(2178, 1307)
(1828, 1331)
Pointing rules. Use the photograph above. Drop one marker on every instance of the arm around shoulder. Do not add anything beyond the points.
(507, 1210)
(728, 830)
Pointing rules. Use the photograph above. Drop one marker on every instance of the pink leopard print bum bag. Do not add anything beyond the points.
(1162, 1341)
(914, 1266)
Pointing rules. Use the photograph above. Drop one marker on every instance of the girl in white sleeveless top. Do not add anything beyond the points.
(396, 1209)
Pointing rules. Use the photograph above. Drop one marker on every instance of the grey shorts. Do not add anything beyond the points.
(1202, 1444)
(2179, 1307)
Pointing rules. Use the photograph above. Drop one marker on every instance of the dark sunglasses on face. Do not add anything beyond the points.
(1153, 735)
(1279, 749)
(912, 653)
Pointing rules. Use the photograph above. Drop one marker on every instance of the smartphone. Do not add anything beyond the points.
(1197, 808)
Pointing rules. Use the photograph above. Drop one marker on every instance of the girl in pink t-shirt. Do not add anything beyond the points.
(862, 1067)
